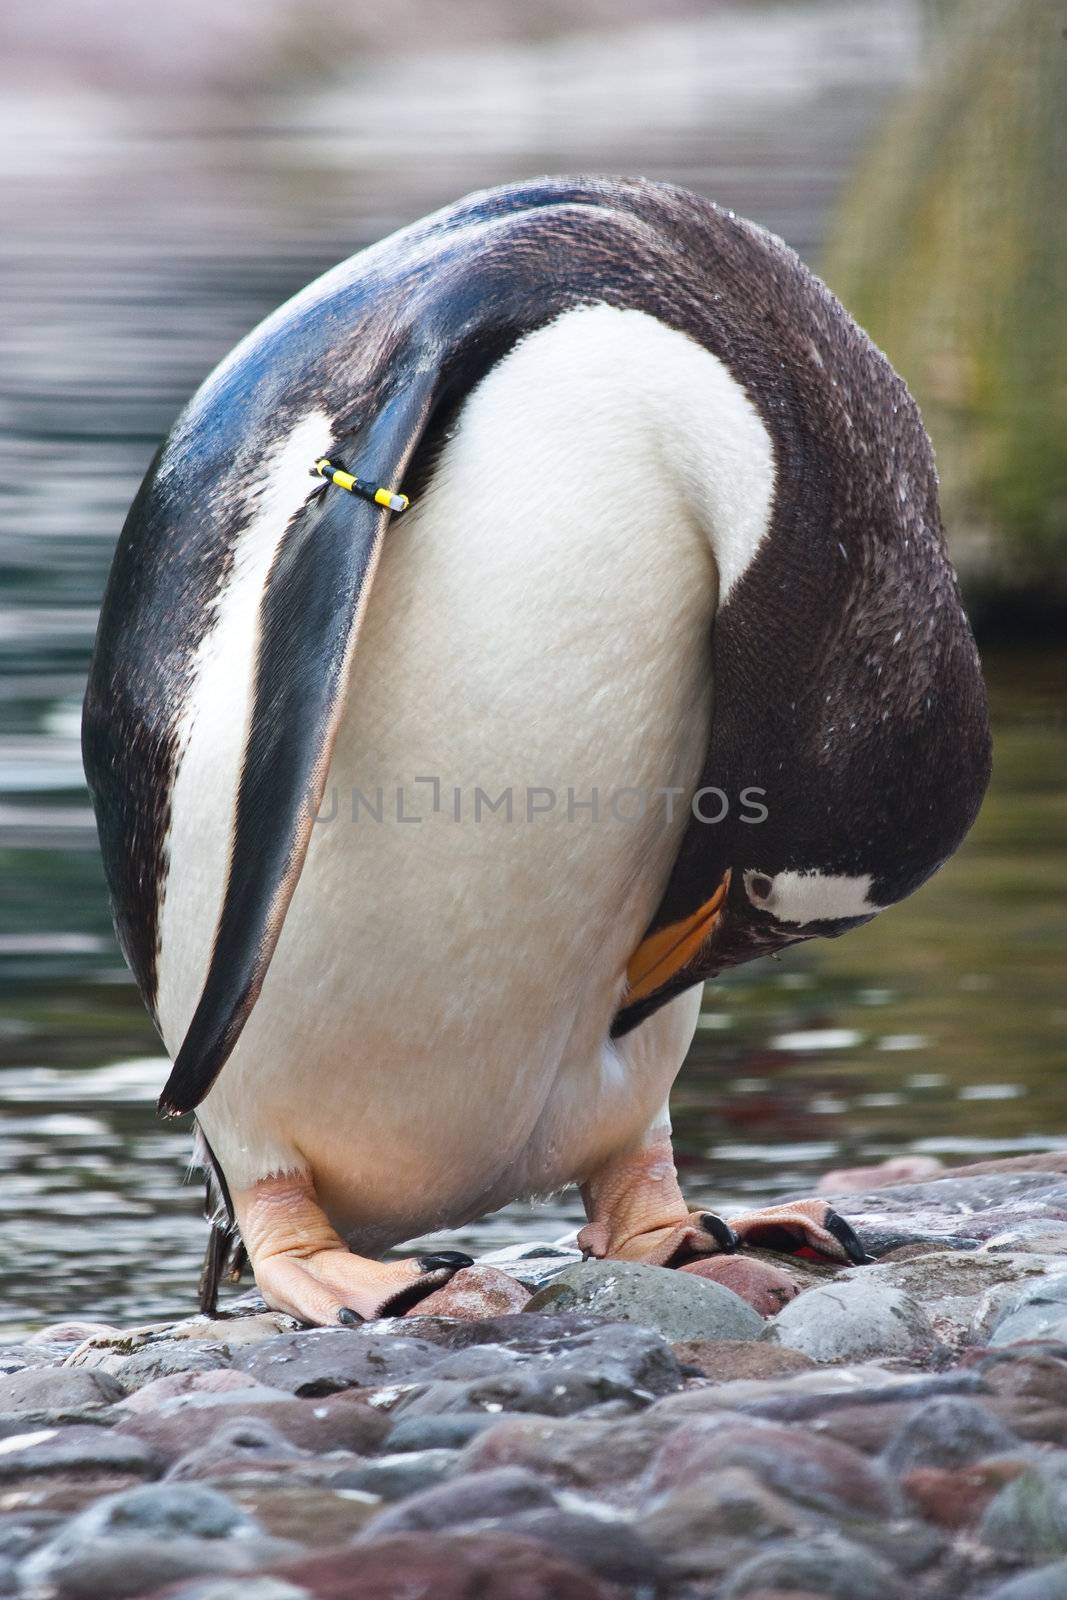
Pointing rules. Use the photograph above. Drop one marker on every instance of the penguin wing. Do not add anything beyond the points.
(309, 621)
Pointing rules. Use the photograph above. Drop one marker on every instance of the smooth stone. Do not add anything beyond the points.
(897, 1169)
(1036, 1374)
(233, 1332)
(324, 1361)
(956, 1497)
(573, 1454)
(187, 1422)
(676, 1304)
(222, 1380)
(73, 1332)
(518, 1330)
(613, 1550)
(948, 1432)
(305, 1512)
(1039, 1312)
(475, 1497)
(963, 1294)
(160, 1359)
(129, 1544)
(799, 1465)
(761, 1284)
(726, 1359)
(853, 1320)
(958, 1212)
(473, 1293)
(393, 1477)
(1048, 1583)
(57, 1389)
(691, 1524)
(533, 1265)
(448, 1566)
(1028, 1517)
(824, 1564)
(450, 1431)
(246, 1588)
(83, 1450)
(248, 1445)
(817, 1392)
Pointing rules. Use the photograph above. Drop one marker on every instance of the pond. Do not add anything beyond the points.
(150, 236)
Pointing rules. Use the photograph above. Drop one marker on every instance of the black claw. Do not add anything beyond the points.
(720, 1231)
(444, 1258)
(847, 1238)
(349, 1318)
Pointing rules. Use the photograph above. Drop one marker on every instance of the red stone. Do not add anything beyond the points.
(474, 1293)
(766, 1287)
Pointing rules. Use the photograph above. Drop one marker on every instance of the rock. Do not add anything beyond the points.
(948, 1432)
(1037, 1312)
(962, 1293)
(187, 1422)
(533, 1265)
(448, 1432)
(394, 1477)
(676, 1304)
(799, 1465)
(246, 1588)
(447, 1566)
(1049, 1583)
(222, 1381)
(959, 1212)
(853, 1320)
(85, 1451)
(724, 1359)
(825, 1564)
(818, 1392)
(1028, 1517)
(957, 1497)
(897, 1169)
(136, 1366)
(324, 1361)
(475, 1292)
(1043, 1235)
(57, 1389)
(73, 1332)
(613, 1550)
(599, 1456)
(249, 1445)
(233, 1332)
(313, 1513)
(696, 1525)
(475, 1497)
(763, 1285)
(131, 1543)
(518, 1330)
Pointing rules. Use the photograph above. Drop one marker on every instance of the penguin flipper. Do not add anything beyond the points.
(309, 620)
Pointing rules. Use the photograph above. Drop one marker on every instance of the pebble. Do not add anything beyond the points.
(948, 1432)
(1037, 1312)
(677, 1304)
(1028, 1517)
(853, 1320)
(472, 1498)
(475, 1292)
(189, 1421)
(57, 1389)
(824, 1564)
(723, 1359)
(324, 1361)
(394, 1477)
(764, 1285)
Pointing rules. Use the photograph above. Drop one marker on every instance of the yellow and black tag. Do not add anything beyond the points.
(336, 472)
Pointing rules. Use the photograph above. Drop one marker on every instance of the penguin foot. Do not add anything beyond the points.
(304, 1268)
(801, 1228)
(700, 1233)
(637, 1213)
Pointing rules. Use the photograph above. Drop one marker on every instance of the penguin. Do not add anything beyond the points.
(545, 610)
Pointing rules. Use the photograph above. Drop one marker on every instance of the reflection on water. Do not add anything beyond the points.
(151, 237)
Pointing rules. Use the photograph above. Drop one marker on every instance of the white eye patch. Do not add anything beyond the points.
(810, 896)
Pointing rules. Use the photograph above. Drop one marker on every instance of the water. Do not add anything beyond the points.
(147, 237)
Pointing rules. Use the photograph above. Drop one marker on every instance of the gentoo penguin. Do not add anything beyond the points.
(423, 826)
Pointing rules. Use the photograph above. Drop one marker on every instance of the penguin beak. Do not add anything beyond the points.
(663, 953)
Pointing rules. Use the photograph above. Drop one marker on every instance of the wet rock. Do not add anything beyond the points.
(518, 1330)
(448, 1566)
(1034, 1374)
(131, 1543)
(451, 1431)
(896, 1170)
(765, 1286)
(308, 1513)
(611, 1549)
(825, 1564)
(818, 1391)
(1028, 1517)
(57, 1389)
(250, 1445)
(1049, 1583)
(233, 1332)
(475, 1292)
(696, 1525)
(395, 1476)
(475, 1497)
(960, 1212)
(948, 1432)
(962, 1293)
(95, 1453)
(599, 1456)
(676, 1304)
(222, 1380)
(957, 1497)
(1038, 1312)
(245, 1588)
(853, 1320)
(188, 1422)
(72, 1333)
(160, 1359)
(725, 1359)
(799, 1465)
(533, 1265)
(324, 1361)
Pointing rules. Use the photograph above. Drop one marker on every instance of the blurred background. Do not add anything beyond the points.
(166, 179)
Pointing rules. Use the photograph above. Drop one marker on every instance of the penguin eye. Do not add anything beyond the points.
(760, 885)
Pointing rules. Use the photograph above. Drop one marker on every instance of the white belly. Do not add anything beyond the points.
(431, 1039)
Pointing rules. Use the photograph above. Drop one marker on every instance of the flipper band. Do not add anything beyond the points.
(335, 472)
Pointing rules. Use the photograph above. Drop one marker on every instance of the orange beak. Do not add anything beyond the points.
(659, 956)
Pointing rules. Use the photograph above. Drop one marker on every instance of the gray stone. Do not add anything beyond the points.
(132, 1543)
(248, 1588)
(394, 1477)
(853, 1320)
(250, 1445)
(962, 1292)
(190, 1421)
(697, 1522)
(611, 1549)
(160, 1359)
(1048, 1583)
(76, 1450)
(949, 1432)
(449, 1431)
(678, 1305)
(825, 1564)
(322, 1361)
(476, 1497)
(1039, 1312)
(1028, 1517)
(57, 1389)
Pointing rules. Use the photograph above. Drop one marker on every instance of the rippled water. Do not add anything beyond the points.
(149, 237)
